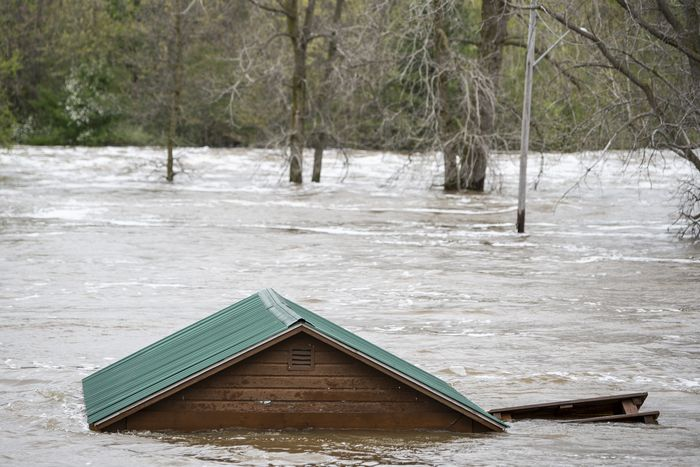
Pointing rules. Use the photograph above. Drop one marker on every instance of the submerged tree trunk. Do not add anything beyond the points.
(175, 63)
(320, 142)
(299, 35)
(494, 28)
(321, 137)
(440, 58)
(296, 140)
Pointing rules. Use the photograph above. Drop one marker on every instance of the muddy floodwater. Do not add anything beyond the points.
(100, 257)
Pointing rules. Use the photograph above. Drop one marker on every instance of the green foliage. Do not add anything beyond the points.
(89, 105)
(8, 70)
(122, 132)
(81, 112)
(7, 122)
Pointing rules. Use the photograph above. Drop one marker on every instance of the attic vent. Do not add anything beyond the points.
(301, 358)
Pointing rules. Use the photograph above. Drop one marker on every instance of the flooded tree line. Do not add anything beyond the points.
(442, 76)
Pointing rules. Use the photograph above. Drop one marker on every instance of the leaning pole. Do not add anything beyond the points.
(525, 130)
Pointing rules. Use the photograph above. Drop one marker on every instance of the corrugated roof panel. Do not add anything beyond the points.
(221, 336)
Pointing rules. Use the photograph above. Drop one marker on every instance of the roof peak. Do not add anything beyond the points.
(274, 303)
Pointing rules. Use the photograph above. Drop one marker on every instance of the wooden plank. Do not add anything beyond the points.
(577, 408)
(190, 421)
(330, 369)
(232, 380)
(266, 406)
(638, 397)
(649, 417)
(280, 394)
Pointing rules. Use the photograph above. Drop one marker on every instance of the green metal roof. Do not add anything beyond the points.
(223, 335)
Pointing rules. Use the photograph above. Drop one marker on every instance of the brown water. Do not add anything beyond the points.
(99, 257)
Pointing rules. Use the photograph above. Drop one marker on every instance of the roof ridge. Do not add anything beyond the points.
(275, 305)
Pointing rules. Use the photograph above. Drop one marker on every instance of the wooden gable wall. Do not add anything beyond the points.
(284, 387)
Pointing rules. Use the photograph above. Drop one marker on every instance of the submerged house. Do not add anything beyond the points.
(266, 362)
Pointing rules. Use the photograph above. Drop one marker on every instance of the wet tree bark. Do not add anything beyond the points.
(494, 29)
(320, 142)
(440, 58)
(691, 36)
(175, 63)
(299, 34)
(321, 137)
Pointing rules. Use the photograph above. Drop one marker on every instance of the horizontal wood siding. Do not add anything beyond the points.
(296, 394)
(190, 421)
(337, 392)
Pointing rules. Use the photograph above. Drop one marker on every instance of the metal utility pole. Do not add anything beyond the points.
(525, 130)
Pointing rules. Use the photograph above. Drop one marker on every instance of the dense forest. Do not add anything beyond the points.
(403, 75)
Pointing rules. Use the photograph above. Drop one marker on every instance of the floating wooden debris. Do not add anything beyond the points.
(639, 417)
(616, 408)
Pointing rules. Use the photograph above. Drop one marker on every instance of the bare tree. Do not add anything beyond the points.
(440, 56)
(441, 86)
(299, 31)
(653, 47)
(175, 46)
(493, 34)
(689, 215)
(322, 100)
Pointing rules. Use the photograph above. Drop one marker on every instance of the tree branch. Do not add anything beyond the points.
(273, 37)
(269, 8)
(308, 19)
(617, 64)
(322, 35)
(683, 152)
(512, 42)
(654, 72)
(668, 14)
(651, 29)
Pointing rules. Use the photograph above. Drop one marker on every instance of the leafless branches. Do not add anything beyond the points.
(688, 220)
(648, 56)
(443, 89)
